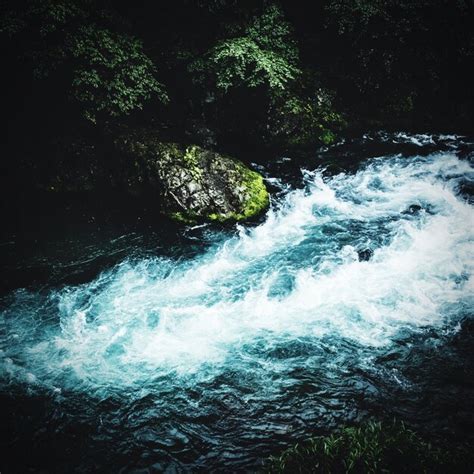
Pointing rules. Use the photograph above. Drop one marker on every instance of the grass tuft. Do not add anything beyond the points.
(371, 448)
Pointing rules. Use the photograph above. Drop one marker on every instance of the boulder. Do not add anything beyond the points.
(194, 184)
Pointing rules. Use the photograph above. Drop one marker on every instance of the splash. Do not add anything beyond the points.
(299, 275)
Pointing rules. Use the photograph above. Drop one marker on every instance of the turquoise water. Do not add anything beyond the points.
(337, 306)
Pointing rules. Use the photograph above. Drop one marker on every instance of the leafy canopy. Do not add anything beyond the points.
(110, 74)
(264, 53)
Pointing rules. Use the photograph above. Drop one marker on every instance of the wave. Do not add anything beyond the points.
(360, 257)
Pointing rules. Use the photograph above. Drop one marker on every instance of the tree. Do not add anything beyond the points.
(108, 73)
(259, 53)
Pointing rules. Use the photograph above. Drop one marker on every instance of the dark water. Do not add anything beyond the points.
(137, 347)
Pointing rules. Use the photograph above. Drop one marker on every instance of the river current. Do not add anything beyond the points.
(211, 348)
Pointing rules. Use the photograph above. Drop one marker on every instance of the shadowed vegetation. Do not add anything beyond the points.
(371, 448)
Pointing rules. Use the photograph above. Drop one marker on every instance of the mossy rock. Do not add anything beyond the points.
(194, 184)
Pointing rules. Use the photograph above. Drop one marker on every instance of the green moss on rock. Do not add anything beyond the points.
(191, 160)
(194, 184)
(257, 198)
(256, 201)
(183, 218)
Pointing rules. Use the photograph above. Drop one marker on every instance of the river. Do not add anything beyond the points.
(147, 349)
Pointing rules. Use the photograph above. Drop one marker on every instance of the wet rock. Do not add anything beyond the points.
(194, 183)
(365, 255)
(413, 209)
(416, 209)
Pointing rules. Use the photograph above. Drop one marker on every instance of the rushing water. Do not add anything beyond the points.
(351, 299)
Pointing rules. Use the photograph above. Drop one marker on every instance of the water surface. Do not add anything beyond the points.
(207, 348)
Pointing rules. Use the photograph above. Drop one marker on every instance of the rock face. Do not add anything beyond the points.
(193, 183)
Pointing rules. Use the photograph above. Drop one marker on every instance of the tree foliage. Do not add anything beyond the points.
(262, 69)
(261, 53)
(109, 73)
(305, 118)
(112, 75)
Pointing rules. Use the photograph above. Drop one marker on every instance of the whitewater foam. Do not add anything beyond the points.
(297, 275)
